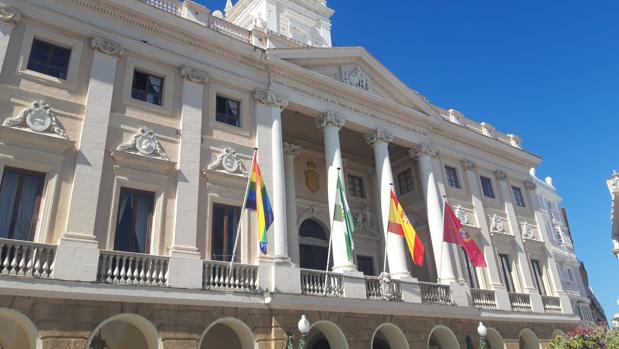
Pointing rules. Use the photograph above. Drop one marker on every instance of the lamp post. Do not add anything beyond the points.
(483, 332)
(304, 327)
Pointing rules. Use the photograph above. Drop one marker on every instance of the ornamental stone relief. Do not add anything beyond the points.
(468, 165)
(194, 75)
(107, 46)
(271, 98)
(144, 142)
(500, 175)
(527, 231)
(497, 225)
(230, 162)
(462, 215)
(39, 118)
(312, 178)
(357, 78)
(425, 149)
(378, 136)
(329, 119)
(364, 219)
(530, 185)
(9, 14)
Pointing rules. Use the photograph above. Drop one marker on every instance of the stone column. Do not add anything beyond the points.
(395, 245)
(330, 123)
(522, 259)
(77, 255)
(291, 151)
(185, 268)
(555, 277)
(429, 168)
(8, 18)
(271, 157)
(493, 269)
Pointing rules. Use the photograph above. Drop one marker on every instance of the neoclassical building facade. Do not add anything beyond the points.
(128, 130)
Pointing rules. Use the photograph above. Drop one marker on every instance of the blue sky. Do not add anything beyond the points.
(545, 70)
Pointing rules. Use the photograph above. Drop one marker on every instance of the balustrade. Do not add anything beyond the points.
(319, 283)
(520, 301)
(483, 298)
(552, 304)
(25, 258)
(435, 293)
(219, 276)
(376, 290)
(137, 269)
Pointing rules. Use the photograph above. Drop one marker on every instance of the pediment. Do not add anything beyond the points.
(357, 69)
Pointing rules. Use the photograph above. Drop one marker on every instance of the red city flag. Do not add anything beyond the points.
(453, 232)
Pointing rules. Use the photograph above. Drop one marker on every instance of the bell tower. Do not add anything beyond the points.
(298, 22)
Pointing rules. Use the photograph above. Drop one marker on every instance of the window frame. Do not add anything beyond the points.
(538, 277)
(148, 75)
(452, 182)
(471, 271)
(226, 116)
(76, 46)
(410, 186)
(228, 209)
(352, 187)
(159, 70)
(487, 194)
(518, 196)
(150, 218)
(507, 269)
(49, 57)
(36, 210)
(370, 259)
(247, 108)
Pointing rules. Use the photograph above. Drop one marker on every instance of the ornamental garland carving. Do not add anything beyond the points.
(530, 185)
(364, 219)
(144, 142)
(425, 149)
(194, 75)
(291, 150)
(39, 118)
(527, 231)
(9, 14)
(230, 162)
(500, 175)
(271, 98)
(468, 165)
(462, 215)
(331, 119)
(357, 78)
(377, 136)
(107, 46)
(497, 225)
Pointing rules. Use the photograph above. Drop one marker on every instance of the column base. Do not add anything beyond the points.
(277, 274)
(345, 269)
(77, 258)
(185, 269)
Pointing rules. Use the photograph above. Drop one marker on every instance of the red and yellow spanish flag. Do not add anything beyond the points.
(400, 225)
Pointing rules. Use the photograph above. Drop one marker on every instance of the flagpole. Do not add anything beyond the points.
(440, 260)
(238, 228)
(387, 232)
(331, 235)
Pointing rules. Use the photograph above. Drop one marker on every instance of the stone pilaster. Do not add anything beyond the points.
(9, 17)
(291, 151)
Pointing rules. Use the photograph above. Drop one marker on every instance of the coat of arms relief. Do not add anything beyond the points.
(38, 118)
(312, 178)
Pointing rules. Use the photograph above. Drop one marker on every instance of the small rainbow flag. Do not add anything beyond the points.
(258, 200)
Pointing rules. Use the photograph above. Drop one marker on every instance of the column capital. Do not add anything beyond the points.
(424, 149)
(107, 46)
(468, 165)
(330, 118)
(530, 185)
(271, 98)
(9, 14)
(378, 136)
(194, 74)
(500, 175)
(291, 150)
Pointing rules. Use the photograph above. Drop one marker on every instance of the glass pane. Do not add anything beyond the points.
(135, 211)
(8, 191)
(30, 194)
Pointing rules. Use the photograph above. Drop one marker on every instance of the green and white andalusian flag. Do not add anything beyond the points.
(342, 215)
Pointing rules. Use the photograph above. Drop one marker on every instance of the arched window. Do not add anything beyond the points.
(313, 245)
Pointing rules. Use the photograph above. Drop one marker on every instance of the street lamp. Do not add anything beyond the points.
(483, 332)
(304, 327)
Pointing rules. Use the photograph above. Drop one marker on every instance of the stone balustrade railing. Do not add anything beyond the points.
(171, 6)
(376, 290)
(520, 302)
(435, 293)
(221, 276)
(319, 283)
(552, 304)
(485, 299)
(137, 269)
(25, 258)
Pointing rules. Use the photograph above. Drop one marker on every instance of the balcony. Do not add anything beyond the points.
(435, 293)
(319, 283)
(520, 302)
(135, 269)
(375, 290)
(27, 259)
(484, 299)
(221, 276)
(552, 304)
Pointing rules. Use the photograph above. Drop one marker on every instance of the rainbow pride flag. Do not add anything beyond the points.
(258, 200)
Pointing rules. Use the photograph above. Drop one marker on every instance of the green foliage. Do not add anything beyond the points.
(587, 338)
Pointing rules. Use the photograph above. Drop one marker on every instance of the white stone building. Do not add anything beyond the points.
(128, 127)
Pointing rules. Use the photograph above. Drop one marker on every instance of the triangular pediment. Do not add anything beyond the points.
(359, 70)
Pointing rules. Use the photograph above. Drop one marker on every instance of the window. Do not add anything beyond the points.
(538, 275)
(147, 88)
(518, 198)
(49, 59)
(570, 274)
(506, 271)
(452, 177)
(20, 198)
(314, 245)
(225, 225)
(366, 265)
(486, 186)
(228, 111)
(134, 221)
(355, 186)
(470, 271)
(405, 182)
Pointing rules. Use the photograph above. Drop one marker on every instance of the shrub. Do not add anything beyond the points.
(587, 338)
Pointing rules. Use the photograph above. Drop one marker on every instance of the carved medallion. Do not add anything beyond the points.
(230, 162)
(357, 78)
(497, 225)
(462, 215)
(144, 142)
(312, 179)
(38, 118)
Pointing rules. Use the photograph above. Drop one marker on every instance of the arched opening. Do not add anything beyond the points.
(313, 245)
(389, 336)
(17, 331)
(229, 333)
(528, 340)
(126, 331)
(326, 335)
(494, 339)
(442, 337)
